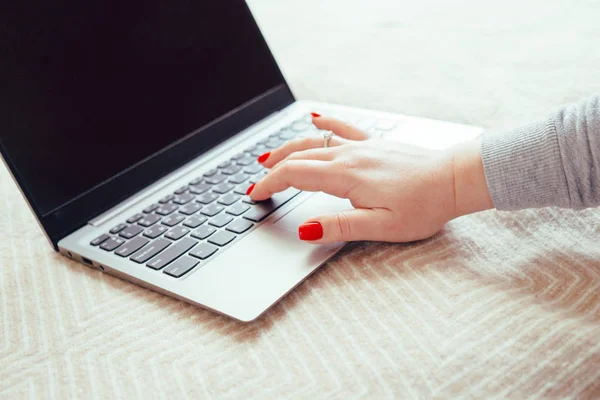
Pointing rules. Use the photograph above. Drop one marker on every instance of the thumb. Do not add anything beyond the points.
(347, 225)
(339, 128)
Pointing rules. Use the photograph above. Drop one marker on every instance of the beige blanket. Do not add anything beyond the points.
(502, 305)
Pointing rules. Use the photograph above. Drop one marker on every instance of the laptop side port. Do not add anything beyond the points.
(83, 260)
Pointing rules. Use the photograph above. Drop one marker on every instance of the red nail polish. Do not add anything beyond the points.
(310, 231)
(314, 114)
(250, 189)
(263, 157)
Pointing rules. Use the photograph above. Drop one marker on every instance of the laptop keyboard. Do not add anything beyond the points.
(191, 225)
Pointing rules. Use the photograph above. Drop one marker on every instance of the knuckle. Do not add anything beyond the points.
(285, 168)
(343, 224)
(347, 163)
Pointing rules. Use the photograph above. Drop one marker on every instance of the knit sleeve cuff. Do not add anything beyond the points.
(523, 167)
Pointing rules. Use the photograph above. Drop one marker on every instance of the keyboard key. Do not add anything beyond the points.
(215, 179)
(239, 226)
(151, 208)
(246, 160)
(207, 198)
(385, 125)
(194, 221)
(286, 135)
(254, 148)
(190, 209)
(172, 253)
(263, 209)
(223, 188)
(196, 181)
(274, 143)
(118, 228)
(228, 199)
(238, 209)
(238, 156)
(166, 199)
(177, 233)
(132, 246)
(232, 169)
(365, 124)
(238, 178)
(224, 164)
(150, 250)
(203, 232)
(200, 188)
(166, 209)
(112, 243)
(131, 231)
(211, 172)
(135, 218)
(181, 267)
(222, 238)
(100, 239)
(253, 169)
(259, 150)
(203, 251)
(211, 210)
(155, 231)
(242, 189)
(221, 220)
(149, 220)
(263, 140)
(182, 190)
(183, 198)
(300, 126)
(173, 220)
(248, 200)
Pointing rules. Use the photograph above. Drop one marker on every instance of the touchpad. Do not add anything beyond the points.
(317, 205)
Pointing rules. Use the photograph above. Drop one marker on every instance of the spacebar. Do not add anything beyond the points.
(172, 253)
(263, 209)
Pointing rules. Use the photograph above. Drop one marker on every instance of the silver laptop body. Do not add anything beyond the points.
(188, 232)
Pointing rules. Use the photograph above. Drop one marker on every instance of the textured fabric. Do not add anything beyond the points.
(550, 163)
(498, 305)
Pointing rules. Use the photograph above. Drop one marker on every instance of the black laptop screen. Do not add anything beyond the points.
(90, 88)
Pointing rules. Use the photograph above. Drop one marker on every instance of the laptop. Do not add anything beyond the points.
(132, 130)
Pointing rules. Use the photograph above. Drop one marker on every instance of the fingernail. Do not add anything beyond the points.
(250, 189)
(314, 114)
(310, 231)
(263, 157)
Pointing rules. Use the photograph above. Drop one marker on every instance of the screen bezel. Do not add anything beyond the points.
(78, 211)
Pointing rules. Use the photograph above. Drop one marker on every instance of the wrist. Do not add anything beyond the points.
(471, 193)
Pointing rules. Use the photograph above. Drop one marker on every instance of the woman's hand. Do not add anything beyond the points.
(400, 192)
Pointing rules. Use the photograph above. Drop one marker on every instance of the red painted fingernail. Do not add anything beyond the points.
(250, 189)
(314, 114)
(310, 231)
(263, 157)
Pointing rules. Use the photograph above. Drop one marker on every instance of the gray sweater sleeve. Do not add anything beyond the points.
(555, 162)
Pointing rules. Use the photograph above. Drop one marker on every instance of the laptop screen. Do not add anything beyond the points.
(91, 88)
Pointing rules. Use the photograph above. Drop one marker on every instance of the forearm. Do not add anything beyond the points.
(555, 162)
